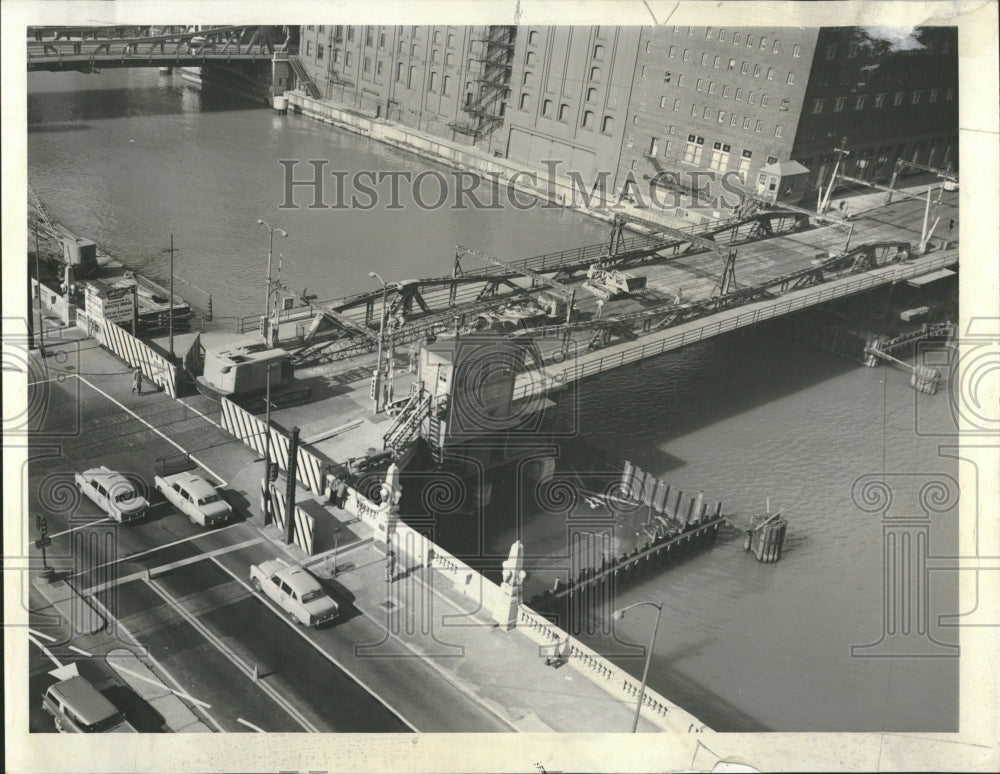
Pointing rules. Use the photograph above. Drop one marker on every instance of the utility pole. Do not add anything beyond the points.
(41, 317)
(171, 313)
(841, 152)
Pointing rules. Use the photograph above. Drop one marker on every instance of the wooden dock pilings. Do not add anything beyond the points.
(766, 536)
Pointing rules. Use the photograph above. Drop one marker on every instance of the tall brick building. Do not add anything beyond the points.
(621, 106)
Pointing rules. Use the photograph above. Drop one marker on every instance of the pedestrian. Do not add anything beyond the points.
(951, 224)
(137, 381)
(390, 566)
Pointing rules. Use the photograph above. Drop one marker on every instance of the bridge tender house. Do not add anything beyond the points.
(113, 302)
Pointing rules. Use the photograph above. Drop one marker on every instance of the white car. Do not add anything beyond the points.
(113, 493)
(296, 591)
(194, 497)
(77, 707)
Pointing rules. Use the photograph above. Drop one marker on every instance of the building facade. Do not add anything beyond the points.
(450, 81)
(696, 111)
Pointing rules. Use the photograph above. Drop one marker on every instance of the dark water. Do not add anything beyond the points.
(126, 158)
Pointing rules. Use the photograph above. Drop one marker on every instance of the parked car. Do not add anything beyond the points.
(113, 493)
(296, 591)
(77, 707)
(194, 497)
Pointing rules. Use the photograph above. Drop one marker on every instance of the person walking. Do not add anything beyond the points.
(390, 566)
(137, 381)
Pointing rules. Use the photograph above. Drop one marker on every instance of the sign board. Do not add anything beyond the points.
(118, 307)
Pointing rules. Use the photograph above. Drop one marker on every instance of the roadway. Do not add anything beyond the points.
(193, 616)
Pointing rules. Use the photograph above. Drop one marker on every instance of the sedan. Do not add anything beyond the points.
(113, 493)
(294, 590)
(195, 497)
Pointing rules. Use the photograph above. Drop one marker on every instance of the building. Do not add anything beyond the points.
(446, 80)
(681, 106)
(695, 112)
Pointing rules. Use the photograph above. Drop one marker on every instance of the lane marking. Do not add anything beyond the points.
(80, 651)
(120, 668)
(165, 437)
(329, 657)
(154, 550)
(233, 658)
(248, 724)
(141, 575)
(46, 651)
(40, 634)
(107, 614)
(203, 416)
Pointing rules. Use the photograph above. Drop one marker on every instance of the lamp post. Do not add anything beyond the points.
(381, 331)
(267, 300)
(267, 448)
(171, 312)
(619, 614)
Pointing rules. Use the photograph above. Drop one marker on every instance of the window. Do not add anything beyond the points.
(838, 106)
(588, 119)
(672, 129)
(708, 33)
(879, 100)
(745, 158)
(950, 94)
(309, 48)
(451, 40)
(736, 38)
(435, 54)
(381, 39)
(704, 59)
(706, 112)
(772, 160)
(859, 102)
(635, 120)
(525, 102)
(367, 64)
(663, 102)
(672, 53)
(934, 95)
(437, 36)
(547, 108)
(722, 117)
(369, 38)
(777, 130)
(529, 59)
(720, 157)
(399, 72)
(533, 38)
(898, 98)
(725, 92)
(527, 79)
(796, 50)
(449, 59)
(694, 110)
(750, 98)
(350, 33)
(770, 73)
(743, 68)
(319, 51)
(654, 146)
(776, 48)
(598, 52)
(722, 36)
(642, 73)
(378, 67)
(756, 71)
(763, 43)
(681, 79)
(697, 86)
(763, 100)
(790, 79)
(732, 64)
(715, 63)
(677, 105)
(648, 44)
(687, 55)
(711, 87)
(831, 52)
(608, 125)
(445, 86)
(732, 120)
(413, 50)
(784, 105)
(916, 97)
(746, 123)
(739, 95)
(595, 73)
(692, 152)
(348, 59)
(758, 126)
(591, 95)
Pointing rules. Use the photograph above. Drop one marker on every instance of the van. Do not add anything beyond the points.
(77, 707)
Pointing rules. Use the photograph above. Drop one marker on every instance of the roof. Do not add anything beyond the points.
(86, 702)
(103, 473)
(784, 169)
(193, 483)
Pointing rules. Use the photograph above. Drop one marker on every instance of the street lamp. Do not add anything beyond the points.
(620, 614)
(267, 300)
(381, 331)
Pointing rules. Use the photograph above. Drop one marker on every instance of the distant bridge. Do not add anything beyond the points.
(91, 49)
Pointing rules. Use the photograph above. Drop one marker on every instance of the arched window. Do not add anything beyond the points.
(608, 125)
(588, 119)
(525, 102)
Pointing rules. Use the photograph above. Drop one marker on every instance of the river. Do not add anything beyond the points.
(129, 157)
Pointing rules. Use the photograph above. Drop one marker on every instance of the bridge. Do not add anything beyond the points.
(91, 49)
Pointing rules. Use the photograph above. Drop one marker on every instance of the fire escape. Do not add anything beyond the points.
(485, 106)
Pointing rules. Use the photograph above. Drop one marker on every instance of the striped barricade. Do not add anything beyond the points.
(153, 365)
(304, 529)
